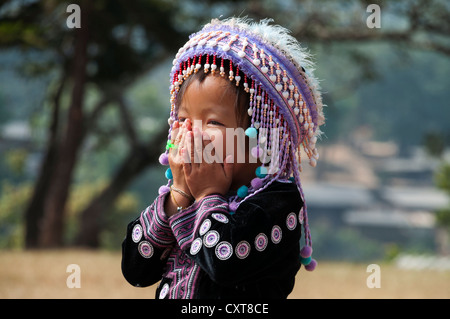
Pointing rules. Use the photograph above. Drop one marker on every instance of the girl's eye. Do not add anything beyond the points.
(181, 119)
(215, 123)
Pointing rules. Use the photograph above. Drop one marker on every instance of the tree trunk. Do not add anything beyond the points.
(52, 228)
(35, 210)
(139, 158)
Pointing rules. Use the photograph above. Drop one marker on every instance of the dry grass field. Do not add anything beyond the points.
(43, 275)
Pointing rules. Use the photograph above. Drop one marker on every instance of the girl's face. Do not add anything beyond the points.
(210, 105)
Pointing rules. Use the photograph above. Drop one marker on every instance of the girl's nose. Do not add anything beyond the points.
(198, 124)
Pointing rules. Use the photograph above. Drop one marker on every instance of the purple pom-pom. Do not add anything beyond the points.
(164, 159)
(256, 151)
(312, 265)
(257, 183)
(306, 251)
(233, 206)
(163, 189)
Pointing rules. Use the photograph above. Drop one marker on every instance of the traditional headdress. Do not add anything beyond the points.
(285, 101)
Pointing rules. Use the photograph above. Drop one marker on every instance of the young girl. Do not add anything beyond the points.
(227, 224)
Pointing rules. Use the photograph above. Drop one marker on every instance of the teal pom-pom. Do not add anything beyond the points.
(251, 132)
(169, 174)
(305, 261)
(242, 191)
(261, 171)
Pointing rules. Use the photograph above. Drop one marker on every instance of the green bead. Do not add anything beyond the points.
(169, 145)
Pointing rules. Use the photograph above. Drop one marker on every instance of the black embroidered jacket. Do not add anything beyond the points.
(205, 251)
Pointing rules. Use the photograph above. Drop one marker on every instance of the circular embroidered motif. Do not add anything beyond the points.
(276, 234)
(291, 221)
(164, 291)
(196, 245)
(224, 250)
(136, 234)
(204, 227)
(145, 249)
(211, 238)
(261, 242)
(242, 249)
(220, 217)
(300, 216)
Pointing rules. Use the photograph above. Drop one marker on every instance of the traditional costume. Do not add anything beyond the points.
(247, 243)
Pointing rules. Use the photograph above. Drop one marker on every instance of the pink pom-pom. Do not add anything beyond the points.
(257, 183)
(163, 189)
(306, 251)
(312, 265)
(256, 151)
(164, 159)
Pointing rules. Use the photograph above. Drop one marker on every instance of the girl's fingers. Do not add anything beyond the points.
(177, 143)
(174, 133)
(189, 144)
(181, 144)
(208, 149)
(188, 124)
(187, 168)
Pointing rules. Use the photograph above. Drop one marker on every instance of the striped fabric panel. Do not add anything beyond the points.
(185, 224)
(156, 225)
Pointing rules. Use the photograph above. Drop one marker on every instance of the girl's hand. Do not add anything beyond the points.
(176, 159)
(205, 176)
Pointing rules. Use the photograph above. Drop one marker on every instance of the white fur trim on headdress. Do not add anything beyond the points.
(281, 38)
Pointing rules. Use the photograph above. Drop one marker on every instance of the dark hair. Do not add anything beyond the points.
(242, 97)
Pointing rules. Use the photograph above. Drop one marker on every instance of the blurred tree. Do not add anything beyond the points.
(117, 43)
(104, 51)
(337, 30)
(419, 24)
(434, 143)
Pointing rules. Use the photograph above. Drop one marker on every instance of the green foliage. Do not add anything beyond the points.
(19, 32)
(14, 198)
(442, 180)
(126, 204)
(442, 177)
(443, 217)
(434, 144)
(13, 201)
(16, 159)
